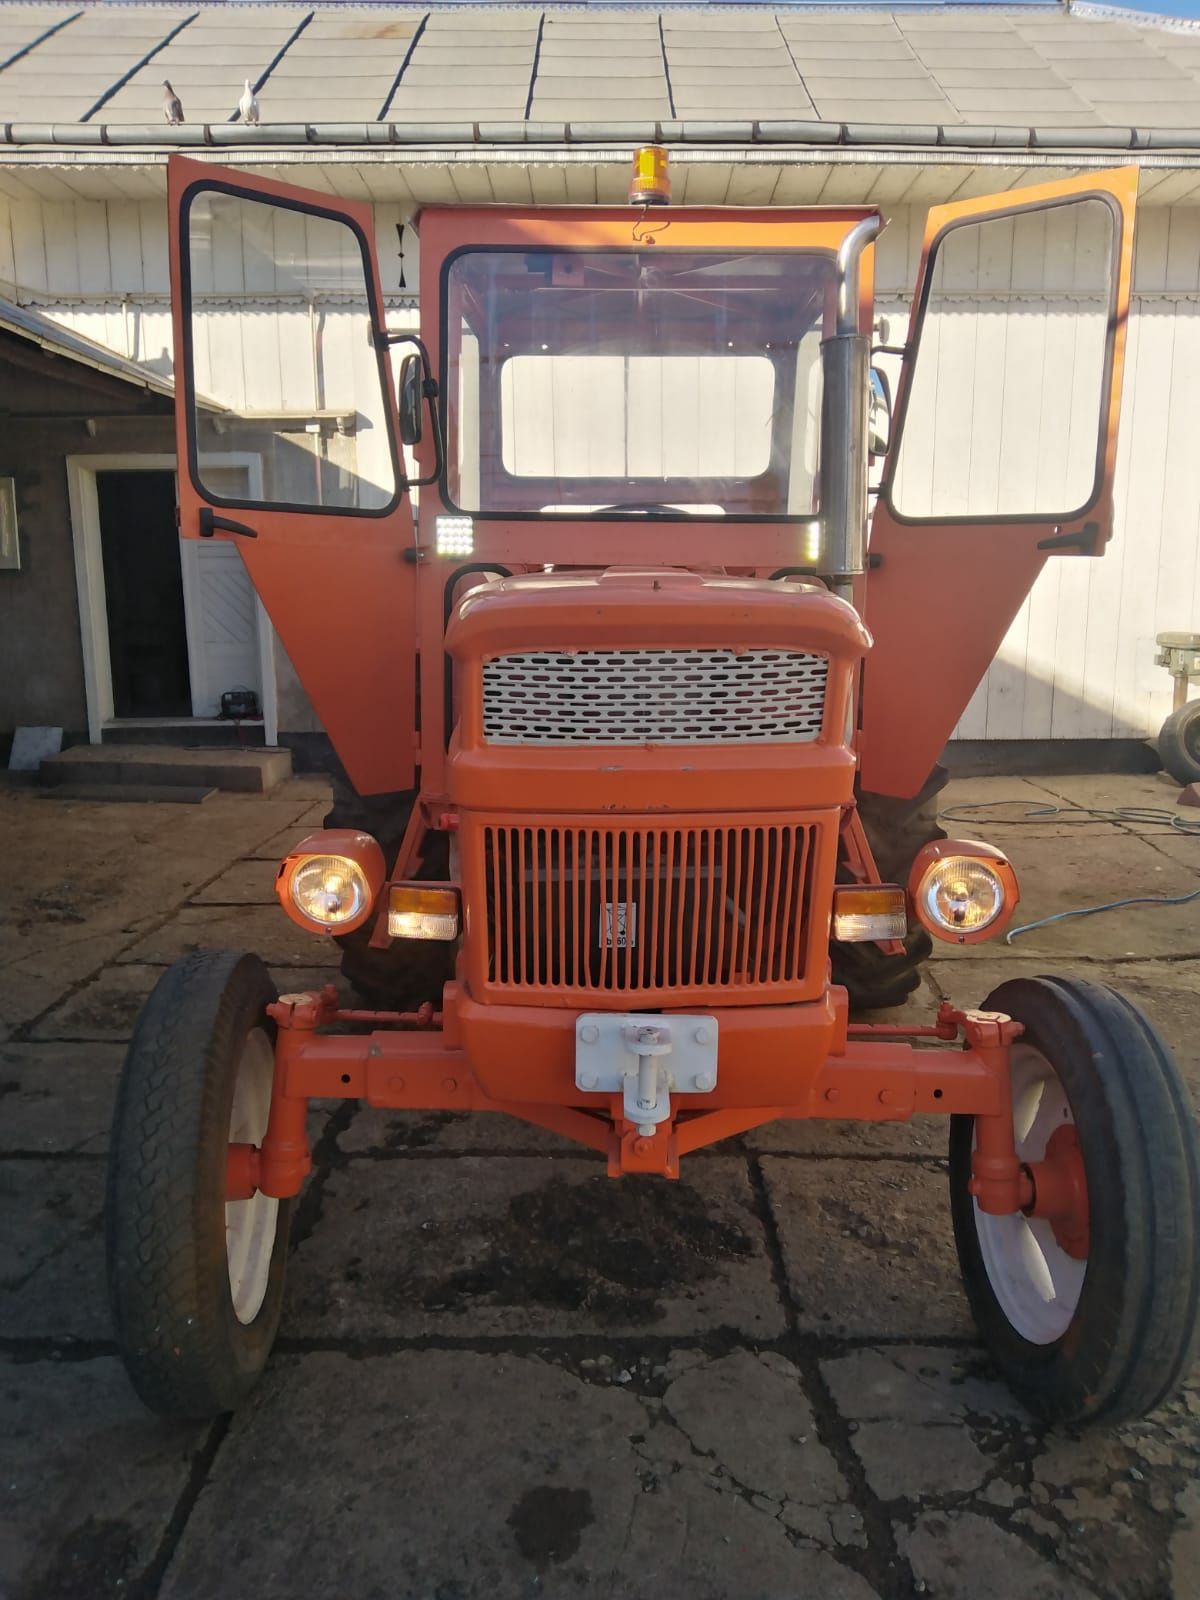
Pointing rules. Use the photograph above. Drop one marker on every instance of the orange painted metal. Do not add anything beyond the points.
(738, 910)
(1059, 1192)
(991, 855)
(520, 545)
(628, 609)
(353, 846)
(336, 585)
(777, 1062)
(941, 595)
(241, 1171)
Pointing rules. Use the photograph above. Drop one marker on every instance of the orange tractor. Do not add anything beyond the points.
(638, 730)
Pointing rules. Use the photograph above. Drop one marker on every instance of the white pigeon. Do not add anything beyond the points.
(172, 105)
(248, 106)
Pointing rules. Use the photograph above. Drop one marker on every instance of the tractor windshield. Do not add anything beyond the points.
(657, 380)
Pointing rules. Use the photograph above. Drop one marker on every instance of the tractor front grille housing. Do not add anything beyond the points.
(666, 697)
(647, 913)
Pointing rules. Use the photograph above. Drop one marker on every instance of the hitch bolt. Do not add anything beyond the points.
(701, 1035)
(587, 1080)
(641, 1147)
(647, 1130)
(450, 1085)
(702, 1081)
(833, 1095)
(589, 1033)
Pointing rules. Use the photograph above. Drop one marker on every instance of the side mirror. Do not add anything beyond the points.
(879, 414)
(411, 399)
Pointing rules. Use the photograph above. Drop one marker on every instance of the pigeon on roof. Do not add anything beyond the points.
(248, 106)
(172, 105)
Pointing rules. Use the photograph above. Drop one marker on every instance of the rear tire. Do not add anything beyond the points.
(1179, 743)
(896, 830)
(195, 1283)
(1112, 1337)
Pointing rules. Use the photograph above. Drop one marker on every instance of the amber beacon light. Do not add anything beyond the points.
(650, 183)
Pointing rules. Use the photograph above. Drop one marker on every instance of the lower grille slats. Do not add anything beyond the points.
(646, 911)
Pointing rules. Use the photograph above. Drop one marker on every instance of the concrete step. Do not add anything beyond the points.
(242, 771)
(222, 735)
(175, 794)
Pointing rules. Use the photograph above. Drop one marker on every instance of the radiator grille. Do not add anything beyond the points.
(598, 697)
(648, 911)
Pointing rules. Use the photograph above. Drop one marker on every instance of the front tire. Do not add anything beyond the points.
(195, 1282)
(1095, 1317)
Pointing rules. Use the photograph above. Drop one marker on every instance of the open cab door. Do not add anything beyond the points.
(287, 438)
(1003, 448)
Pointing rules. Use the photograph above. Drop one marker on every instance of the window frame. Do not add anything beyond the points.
(674, 519)
(913, 347)
(400, 483)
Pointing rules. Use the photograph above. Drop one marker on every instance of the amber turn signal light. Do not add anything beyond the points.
(415, 911)
(863, 912)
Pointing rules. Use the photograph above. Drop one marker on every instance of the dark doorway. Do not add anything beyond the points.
(143, 591)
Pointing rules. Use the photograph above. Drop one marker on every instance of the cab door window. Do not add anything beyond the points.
(285, 364)
(1005, 412)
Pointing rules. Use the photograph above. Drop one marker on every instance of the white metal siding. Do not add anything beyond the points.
(1078, 661)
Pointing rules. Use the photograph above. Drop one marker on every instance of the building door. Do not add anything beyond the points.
(143, 594)
(183, 619)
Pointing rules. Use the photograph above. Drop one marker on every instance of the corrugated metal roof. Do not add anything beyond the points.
(101, 66)
(61, 341)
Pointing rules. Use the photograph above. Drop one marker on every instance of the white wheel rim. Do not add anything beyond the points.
(250, 1224)
(1035, 1281)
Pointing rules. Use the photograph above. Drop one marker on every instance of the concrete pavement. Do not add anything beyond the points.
(501, 1374)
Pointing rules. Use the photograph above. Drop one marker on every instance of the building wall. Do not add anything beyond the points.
(41, 652)
(1078, 661)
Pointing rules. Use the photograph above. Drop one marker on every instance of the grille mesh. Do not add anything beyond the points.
(598, 697)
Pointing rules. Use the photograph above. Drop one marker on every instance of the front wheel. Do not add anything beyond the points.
(195, 1281)
(1094, 1314)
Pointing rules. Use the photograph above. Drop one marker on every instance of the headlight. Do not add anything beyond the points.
(963, 891)
(330, 889)
(331, 880)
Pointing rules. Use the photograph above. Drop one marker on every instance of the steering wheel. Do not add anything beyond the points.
(650, 506)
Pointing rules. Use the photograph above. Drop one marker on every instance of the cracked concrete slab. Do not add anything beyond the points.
(867, 1247)
(498, 1244)
(57, 1097)
(104, 1008)
(917, 1383)
(1001, 810)
(267, 930)
(88, 1480)
(903, 1462)
(246, 883)
(559, 1494)
(749, 1414)
(719, 1456)
(377, 1132)
(959, 1555)
(52, 1250)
